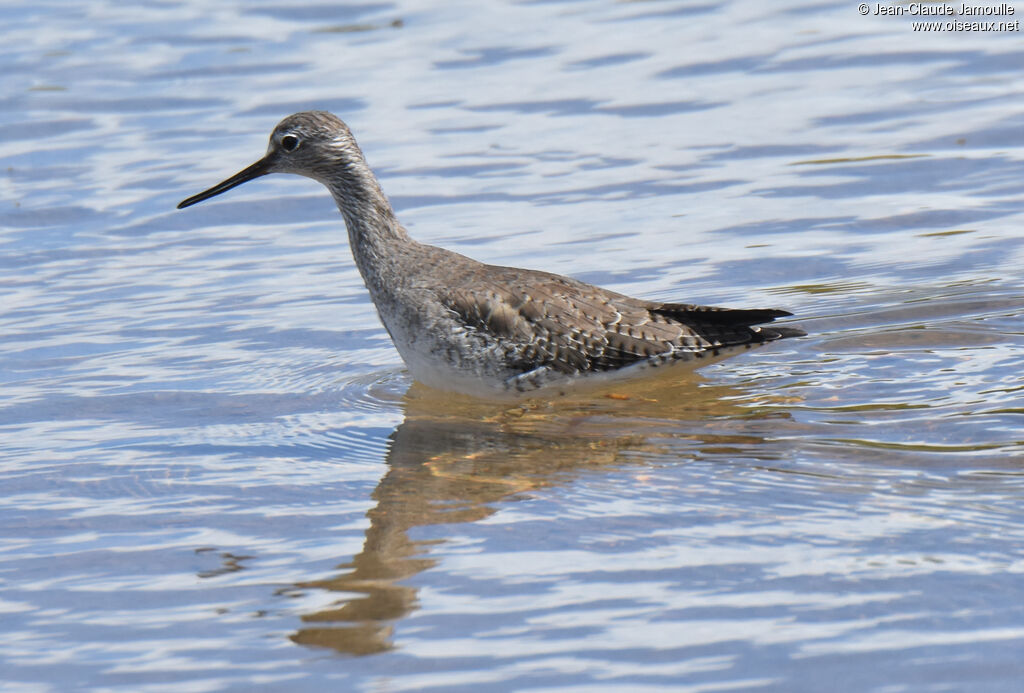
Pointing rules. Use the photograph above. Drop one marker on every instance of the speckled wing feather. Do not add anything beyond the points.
(572, 327)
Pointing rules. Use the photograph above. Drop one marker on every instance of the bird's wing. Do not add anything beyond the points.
(572, 327)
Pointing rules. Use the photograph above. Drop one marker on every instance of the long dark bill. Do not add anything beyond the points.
(260, 168)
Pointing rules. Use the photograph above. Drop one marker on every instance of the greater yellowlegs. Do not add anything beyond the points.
(481, 329)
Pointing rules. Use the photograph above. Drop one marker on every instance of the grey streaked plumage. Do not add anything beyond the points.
(482, 329)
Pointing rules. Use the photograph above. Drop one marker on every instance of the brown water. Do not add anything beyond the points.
(217, 476)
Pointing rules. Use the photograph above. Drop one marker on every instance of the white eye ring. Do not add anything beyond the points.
(289, 143)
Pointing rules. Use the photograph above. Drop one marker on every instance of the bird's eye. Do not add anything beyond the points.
(289, 143)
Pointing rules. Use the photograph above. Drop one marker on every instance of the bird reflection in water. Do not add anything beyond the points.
(454, 460)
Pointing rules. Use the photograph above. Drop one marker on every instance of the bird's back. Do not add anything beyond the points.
(548, 325)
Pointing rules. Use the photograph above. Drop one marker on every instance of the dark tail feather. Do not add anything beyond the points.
(684, 312)
(732, 318)
(774, 332)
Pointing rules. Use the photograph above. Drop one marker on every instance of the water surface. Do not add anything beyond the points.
(217, 475)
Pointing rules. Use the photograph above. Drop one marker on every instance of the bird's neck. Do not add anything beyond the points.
(377, 240)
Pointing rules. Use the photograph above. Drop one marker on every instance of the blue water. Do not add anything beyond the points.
(216, 475)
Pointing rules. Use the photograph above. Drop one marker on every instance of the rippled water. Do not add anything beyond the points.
(216, 474)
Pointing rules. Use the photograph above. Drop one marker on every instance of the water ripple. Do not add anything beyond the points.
(218, 476)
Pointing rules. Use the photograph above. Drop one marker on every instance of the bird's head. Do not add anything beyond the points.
(315, 144)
